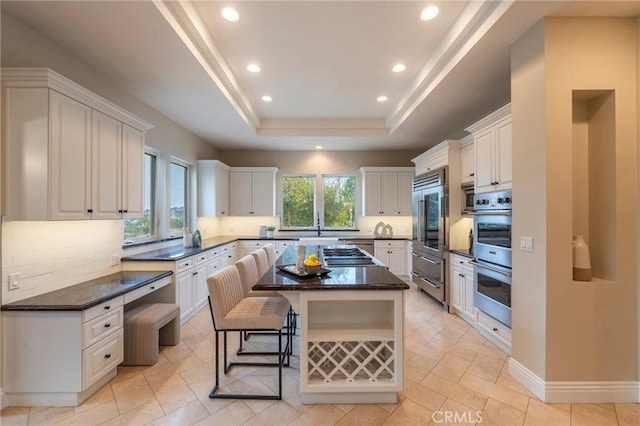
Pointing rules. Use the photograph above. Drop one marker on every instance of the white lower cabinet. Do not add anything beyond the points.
(249, 246)
(393, 254)
(227, 254)
(461, 294)
(461, 290)
(60, 358)
(281, 246)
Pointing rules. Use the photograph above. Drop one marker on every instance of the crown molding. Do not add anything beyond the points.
(187, 24)
(46, 77)
(474, 22)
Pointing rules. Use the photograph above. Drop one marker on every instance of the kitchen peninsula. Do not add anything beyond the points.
(352, 329)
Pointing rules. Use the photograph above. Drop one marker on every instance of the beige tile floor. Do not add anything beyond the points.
(450, 368)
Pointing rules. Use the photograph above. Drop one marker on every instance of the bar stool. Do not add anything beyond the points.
(230, 311)
(248, 271)
(261, 261)
(271, 253)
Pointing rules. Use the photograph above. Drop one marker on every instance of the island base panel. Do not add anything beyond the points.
(350, 398)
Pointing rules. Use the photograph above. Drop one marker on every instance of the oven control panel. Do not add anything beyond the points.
(501, 200)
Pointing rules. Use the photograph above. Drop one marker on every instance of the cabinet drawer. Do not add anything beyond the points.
(99, 359)
(101, 327)
(389, 244)
(184, 264)
(144, 290)
(252, 244)
(282, 245)
(199, 259)
(461, 262)
(212, 254)
(103, 308)
(494, 326)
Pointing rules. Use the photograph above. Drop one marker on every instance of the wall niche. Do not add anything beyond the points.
(594, 178)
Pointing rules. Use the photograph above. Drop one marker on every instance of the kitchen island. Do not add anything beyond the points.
(352, 330)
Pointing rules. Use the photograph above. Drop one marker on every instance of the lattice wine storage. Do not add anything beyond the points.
(351, 361)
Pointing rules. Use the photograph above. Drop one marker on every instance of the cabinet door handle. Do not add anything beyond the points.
(495, 329)
(120, 211)
(107, 325)
(107, 356)
(106, 308)
(89, 210)
(152, 288)
(126, 211)
(472, 174)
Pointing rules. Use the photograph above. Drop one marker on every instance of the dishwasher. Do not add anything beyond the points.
(366, 245)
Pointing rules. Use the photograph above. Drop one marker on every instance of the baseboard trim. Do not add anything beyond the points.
(3, 400)
(575, 392)
(527, 378)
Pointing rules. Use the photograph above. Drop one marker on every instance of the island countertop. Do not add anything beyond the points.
(339, 278)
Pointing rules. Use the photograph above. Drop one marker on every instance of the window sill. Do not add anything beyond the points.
(148, 242)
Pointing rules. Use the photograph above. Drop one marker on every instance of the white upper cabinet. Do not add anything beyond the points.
(70, 154)
(386, 190)
(252, 191)
(492, 145)
(467, 163)
(69, 163)
(213, 188)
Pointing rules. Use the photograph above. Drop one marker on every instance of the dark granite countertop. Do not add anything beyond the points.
(340, 278)
(87, 294)
(462, 252)
(179, 252)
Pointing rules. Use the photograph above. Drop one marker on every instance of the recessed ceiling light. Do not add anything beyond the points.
(267, 98)
(399, 68)
(230, 14)
(429, 13)
(318, 146)
(253, 67)
(381, 98)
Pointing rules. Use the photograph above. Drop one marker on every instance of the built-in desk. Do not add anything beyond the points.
(352, 331)
(61, 347)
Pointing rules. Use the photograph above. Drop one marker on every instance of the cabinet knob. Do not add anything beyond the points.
(89, 210)
(126, 211)
(495, 329)
(106, 308)
(107, 325)
(472, 174)
(152, 288)
(120, 211)
(107, 356)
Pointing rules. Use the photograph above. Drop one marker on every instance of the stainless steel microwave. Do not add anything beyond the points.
(467, 197)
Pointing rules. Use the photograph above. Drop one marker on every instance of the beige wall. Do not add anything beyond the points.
(566, 330)
(529, 298)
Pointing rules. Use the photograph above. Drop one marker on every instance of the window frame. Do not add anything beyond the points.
(187, 198)
(355, 201)
(315, 201)
(318, 202)
(153, 235)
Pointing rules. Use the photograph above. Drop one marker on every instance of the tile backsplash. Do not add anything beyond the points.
(52, 255)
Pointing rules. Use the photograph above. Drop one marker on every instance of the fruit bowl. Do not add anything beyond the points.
(312, 270)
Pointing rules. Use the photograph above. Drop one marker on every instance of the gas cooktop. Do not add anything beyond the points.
(345, 256)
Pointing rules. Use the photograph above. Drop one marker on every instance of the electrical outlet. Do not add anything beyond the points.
(115, 260)
(14, 281)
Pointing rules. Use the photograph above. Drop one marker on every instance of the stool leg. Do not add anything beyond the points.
(215, 388)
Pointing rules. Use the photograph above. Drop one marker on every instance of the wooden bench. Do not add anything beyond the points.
(148, 326)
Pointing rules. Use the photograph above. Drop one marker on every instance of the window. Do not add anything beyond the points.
(298, 201)
(144, 227)
(339, 195)
(301, 209)
(178, 198)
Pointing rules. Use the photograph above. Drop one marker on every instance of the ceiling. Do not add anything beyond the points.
(324, 63)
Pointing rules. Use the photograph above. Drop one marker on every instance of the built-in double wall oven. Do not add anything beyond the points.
(430, 233)
(492, 251)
